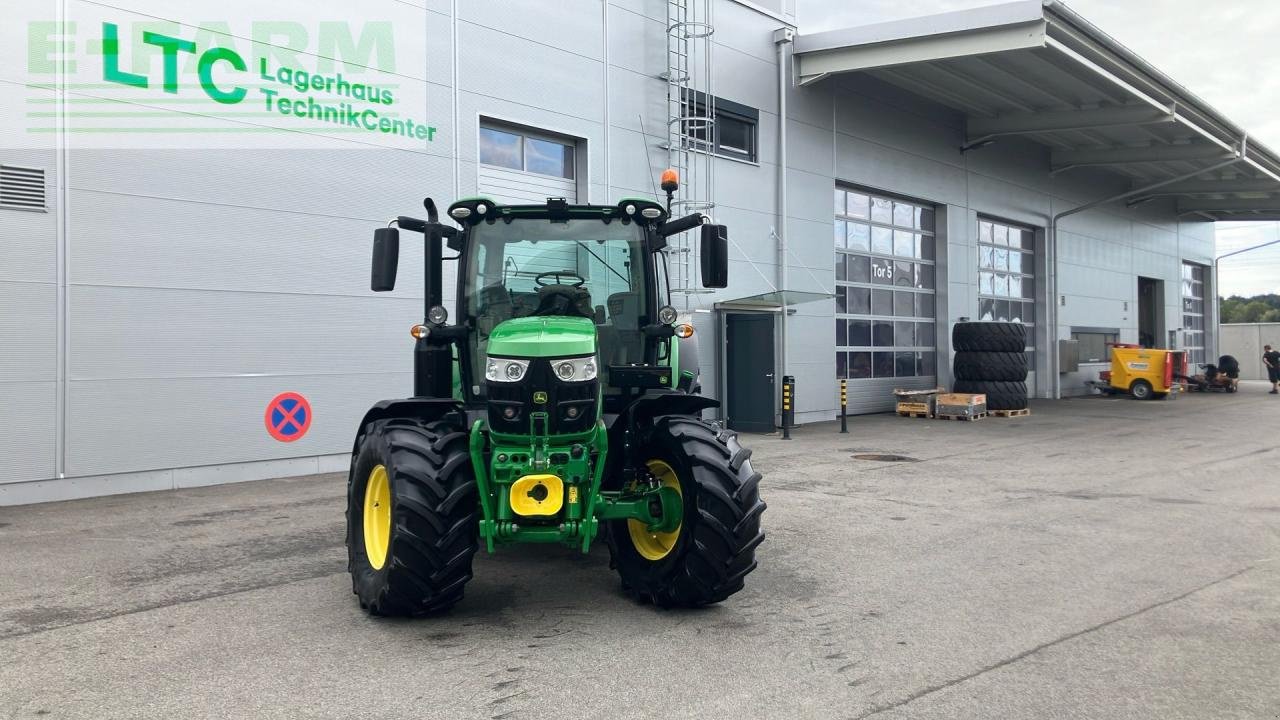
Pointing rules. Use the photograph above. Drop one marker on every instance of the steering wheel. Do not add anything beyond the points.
(557, 274)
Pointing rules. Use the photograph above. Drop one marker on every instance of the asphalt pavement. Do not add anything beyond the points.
(1102, 558)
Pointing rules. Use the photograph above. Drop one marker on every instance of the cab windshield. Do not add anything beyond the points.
(582, 268)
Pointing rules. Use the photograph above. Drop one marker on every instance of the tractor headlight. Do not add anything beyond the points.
(505, 370)
(575, 369)
(667, 314)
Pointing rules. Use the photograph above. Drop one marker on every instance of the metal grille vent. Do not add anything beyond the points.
(22, 188)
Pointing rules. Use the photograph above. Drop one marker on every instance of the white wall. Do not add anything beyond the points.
(1245, 341)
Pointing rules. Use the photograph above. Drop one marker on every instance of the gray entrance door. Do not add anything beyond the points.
(749, 372)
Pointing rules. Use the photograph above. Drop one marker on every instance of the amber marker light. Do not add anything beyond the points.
(684, 330)
(419, 331)
(670, 180)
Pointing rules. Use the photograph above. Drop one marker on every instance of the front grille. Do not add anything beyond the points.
(561, 396)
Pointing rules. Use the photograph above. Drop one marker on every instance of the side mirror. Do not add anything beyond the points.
(715, 256)
(386, 258)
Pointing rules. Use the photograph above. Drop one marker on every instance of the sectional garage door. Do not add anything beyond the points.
(886, 334)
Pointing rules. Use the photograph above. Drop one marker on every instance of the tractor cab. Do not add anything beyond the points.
(532, 275)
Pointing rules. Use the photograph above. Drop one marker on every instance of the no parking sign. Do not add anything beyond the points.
(288, 416)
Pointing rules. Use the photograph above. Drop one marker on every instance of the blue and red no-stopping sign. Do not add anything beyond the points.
(288, 417)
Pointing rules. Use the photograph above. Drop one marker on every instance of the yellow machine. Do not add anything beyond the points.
(1144, 373)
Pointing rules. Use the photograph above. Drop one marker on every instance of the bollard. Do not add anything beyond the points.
(788, 411)
(844, 405)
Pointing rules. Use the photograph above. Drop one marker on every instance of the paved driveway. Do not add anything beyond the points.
(1100, 559)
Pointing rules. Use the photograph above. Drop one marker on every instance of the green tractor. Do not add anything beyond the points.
(557, 409)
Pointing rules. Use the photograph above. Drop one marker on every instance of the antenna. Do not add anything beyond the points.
(647, 159)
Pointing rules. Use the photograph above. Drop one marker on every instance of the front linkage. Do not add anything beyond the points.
(539, 479)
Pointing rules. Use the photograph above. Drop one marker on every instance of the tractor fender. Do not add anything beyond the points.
(424, 409)
(645, 408)
(656, 404)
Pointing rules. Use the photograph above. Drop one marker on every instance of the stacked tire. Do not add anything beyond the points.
(991, 360)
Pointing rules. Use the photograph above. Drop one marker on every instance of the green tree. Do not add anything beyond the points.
(1259, 308)
(1254, 311)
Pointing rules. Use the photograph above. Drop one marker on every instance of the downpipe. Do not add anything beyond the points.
(781, 38)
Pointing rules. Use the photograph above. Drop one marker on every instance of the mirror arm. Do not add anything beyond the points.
(688, 222)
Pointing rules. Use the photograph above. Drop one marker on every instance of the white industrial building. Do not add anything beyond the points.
(188, 193)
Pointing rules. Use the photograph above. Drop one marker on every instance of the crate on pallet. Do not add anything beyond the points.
(916, 403)
(915, 409)
(961, 406)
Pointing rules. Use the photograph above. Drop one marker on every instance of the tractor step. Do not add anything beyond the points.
(969, 418)
(1011, 413)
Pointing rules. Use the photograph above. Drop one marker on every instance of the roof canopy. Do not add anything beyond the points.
(1037, 69)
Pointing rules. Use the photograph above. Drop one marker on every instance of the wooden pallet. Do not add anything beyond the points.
(907, 414)
(969, 418)
(1011, 413)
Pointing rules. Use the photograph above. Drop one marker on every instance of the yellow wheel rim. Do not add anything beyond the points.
(651, 545)
(377, 517)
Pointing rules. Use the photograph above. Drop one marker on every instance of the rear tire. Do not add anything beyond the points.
(431, 535)
(1001, 366)
(1141, 390)
(720, 529)
(989, 337)
(1000, 395)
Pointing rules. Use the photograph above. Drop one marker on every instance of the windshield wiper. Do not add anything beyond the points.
(606, 264)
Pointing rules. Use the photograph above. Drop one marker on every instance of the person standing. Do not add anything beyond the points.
(1271, 359)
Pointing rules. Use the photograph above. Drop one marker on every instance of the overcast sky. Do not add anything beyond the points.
(1227, 52)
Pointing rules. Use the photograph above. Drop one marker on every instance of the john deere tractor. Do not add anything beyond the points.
(560, 406)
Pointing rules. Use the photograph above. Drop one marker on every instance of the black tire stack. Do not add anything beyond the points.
(991, 359)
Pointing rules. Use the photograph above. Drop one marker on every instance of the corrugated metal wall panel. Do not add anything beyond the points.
(131, 425)
(227, 248)
(336, 179)
(123, 332)
(28, 326)
(27, 440)
(28, 273)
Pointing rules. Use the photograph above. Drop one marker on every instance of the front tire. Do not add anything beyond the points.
(707, 558)
(411, 517)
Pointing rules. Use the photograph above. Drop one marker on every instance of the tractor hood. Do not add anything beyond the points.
(543, 337)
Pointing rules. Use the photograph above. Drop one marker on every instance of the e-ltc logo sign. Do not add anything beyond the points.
(107, 77)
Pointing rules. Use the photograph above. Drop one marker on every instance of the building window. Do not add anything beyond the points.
(1007, 276)
(1095, 347)
(885, 287)
(727, 128)
(521, 150)
(1193, 312)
